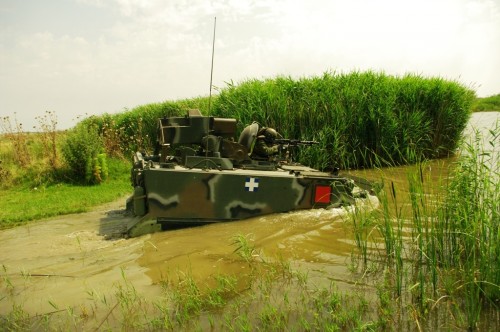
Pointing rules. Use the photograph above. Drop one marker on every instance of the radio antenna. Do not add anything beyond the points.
(212, 68)
(210, 94)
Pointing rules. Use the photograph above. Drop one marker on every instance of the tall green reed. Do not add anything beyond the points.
(469, 223)
(442, 241)
(358, 118)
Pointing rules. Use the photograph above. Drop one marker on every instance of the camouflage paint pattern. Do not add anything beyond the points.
(201, 174)
(212, 195)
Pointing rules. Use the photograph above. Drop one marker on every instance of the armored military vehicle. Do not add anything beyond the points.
(200, 173)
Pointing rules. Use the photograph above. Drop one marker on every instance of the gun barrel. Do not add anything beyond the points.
(294, 142)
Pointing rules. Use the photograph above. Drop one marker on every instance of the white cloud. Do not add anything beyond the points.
(148, 51)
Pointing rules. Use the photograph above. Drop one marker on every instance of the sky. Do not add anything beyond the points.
(83, 57)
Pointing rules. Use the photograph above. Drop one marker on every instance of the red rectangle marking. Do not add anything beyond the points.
(322, 194)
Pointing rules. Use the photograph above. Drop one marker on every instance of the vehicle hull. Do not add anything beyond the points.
(190, 195)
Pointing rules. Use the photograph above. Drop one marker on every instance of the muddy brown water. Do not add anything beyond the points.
(65, 261)
(59, 261)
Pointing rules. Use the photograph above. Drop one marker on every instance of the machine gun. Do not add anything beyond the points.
(287, 146)
(293, 142)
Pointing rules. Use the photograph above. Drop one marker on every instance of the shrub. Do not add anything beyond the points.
(83, 152)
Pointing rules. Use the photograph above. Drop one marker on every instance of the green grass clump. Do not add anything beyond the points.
(469, 222)
(25, 202)
(441, 243)
(487, 104)
(360, 119)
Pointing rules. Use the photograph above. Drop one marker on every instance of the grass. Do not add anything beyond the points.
(61, 198)
(417, 273)
(359, 118)
(441, 245)
(35, 181)
(487, 104)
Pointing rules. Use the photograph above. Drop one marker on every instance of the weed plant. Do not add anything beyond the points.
(360, 119)
(449, 255)
(29, 157)
(14, 132)
(35, 183)
(47, 127)
(469, 222)
(269, 296)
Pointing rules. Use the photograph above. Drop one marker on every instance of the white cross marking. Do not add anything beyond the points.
(252, 184)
